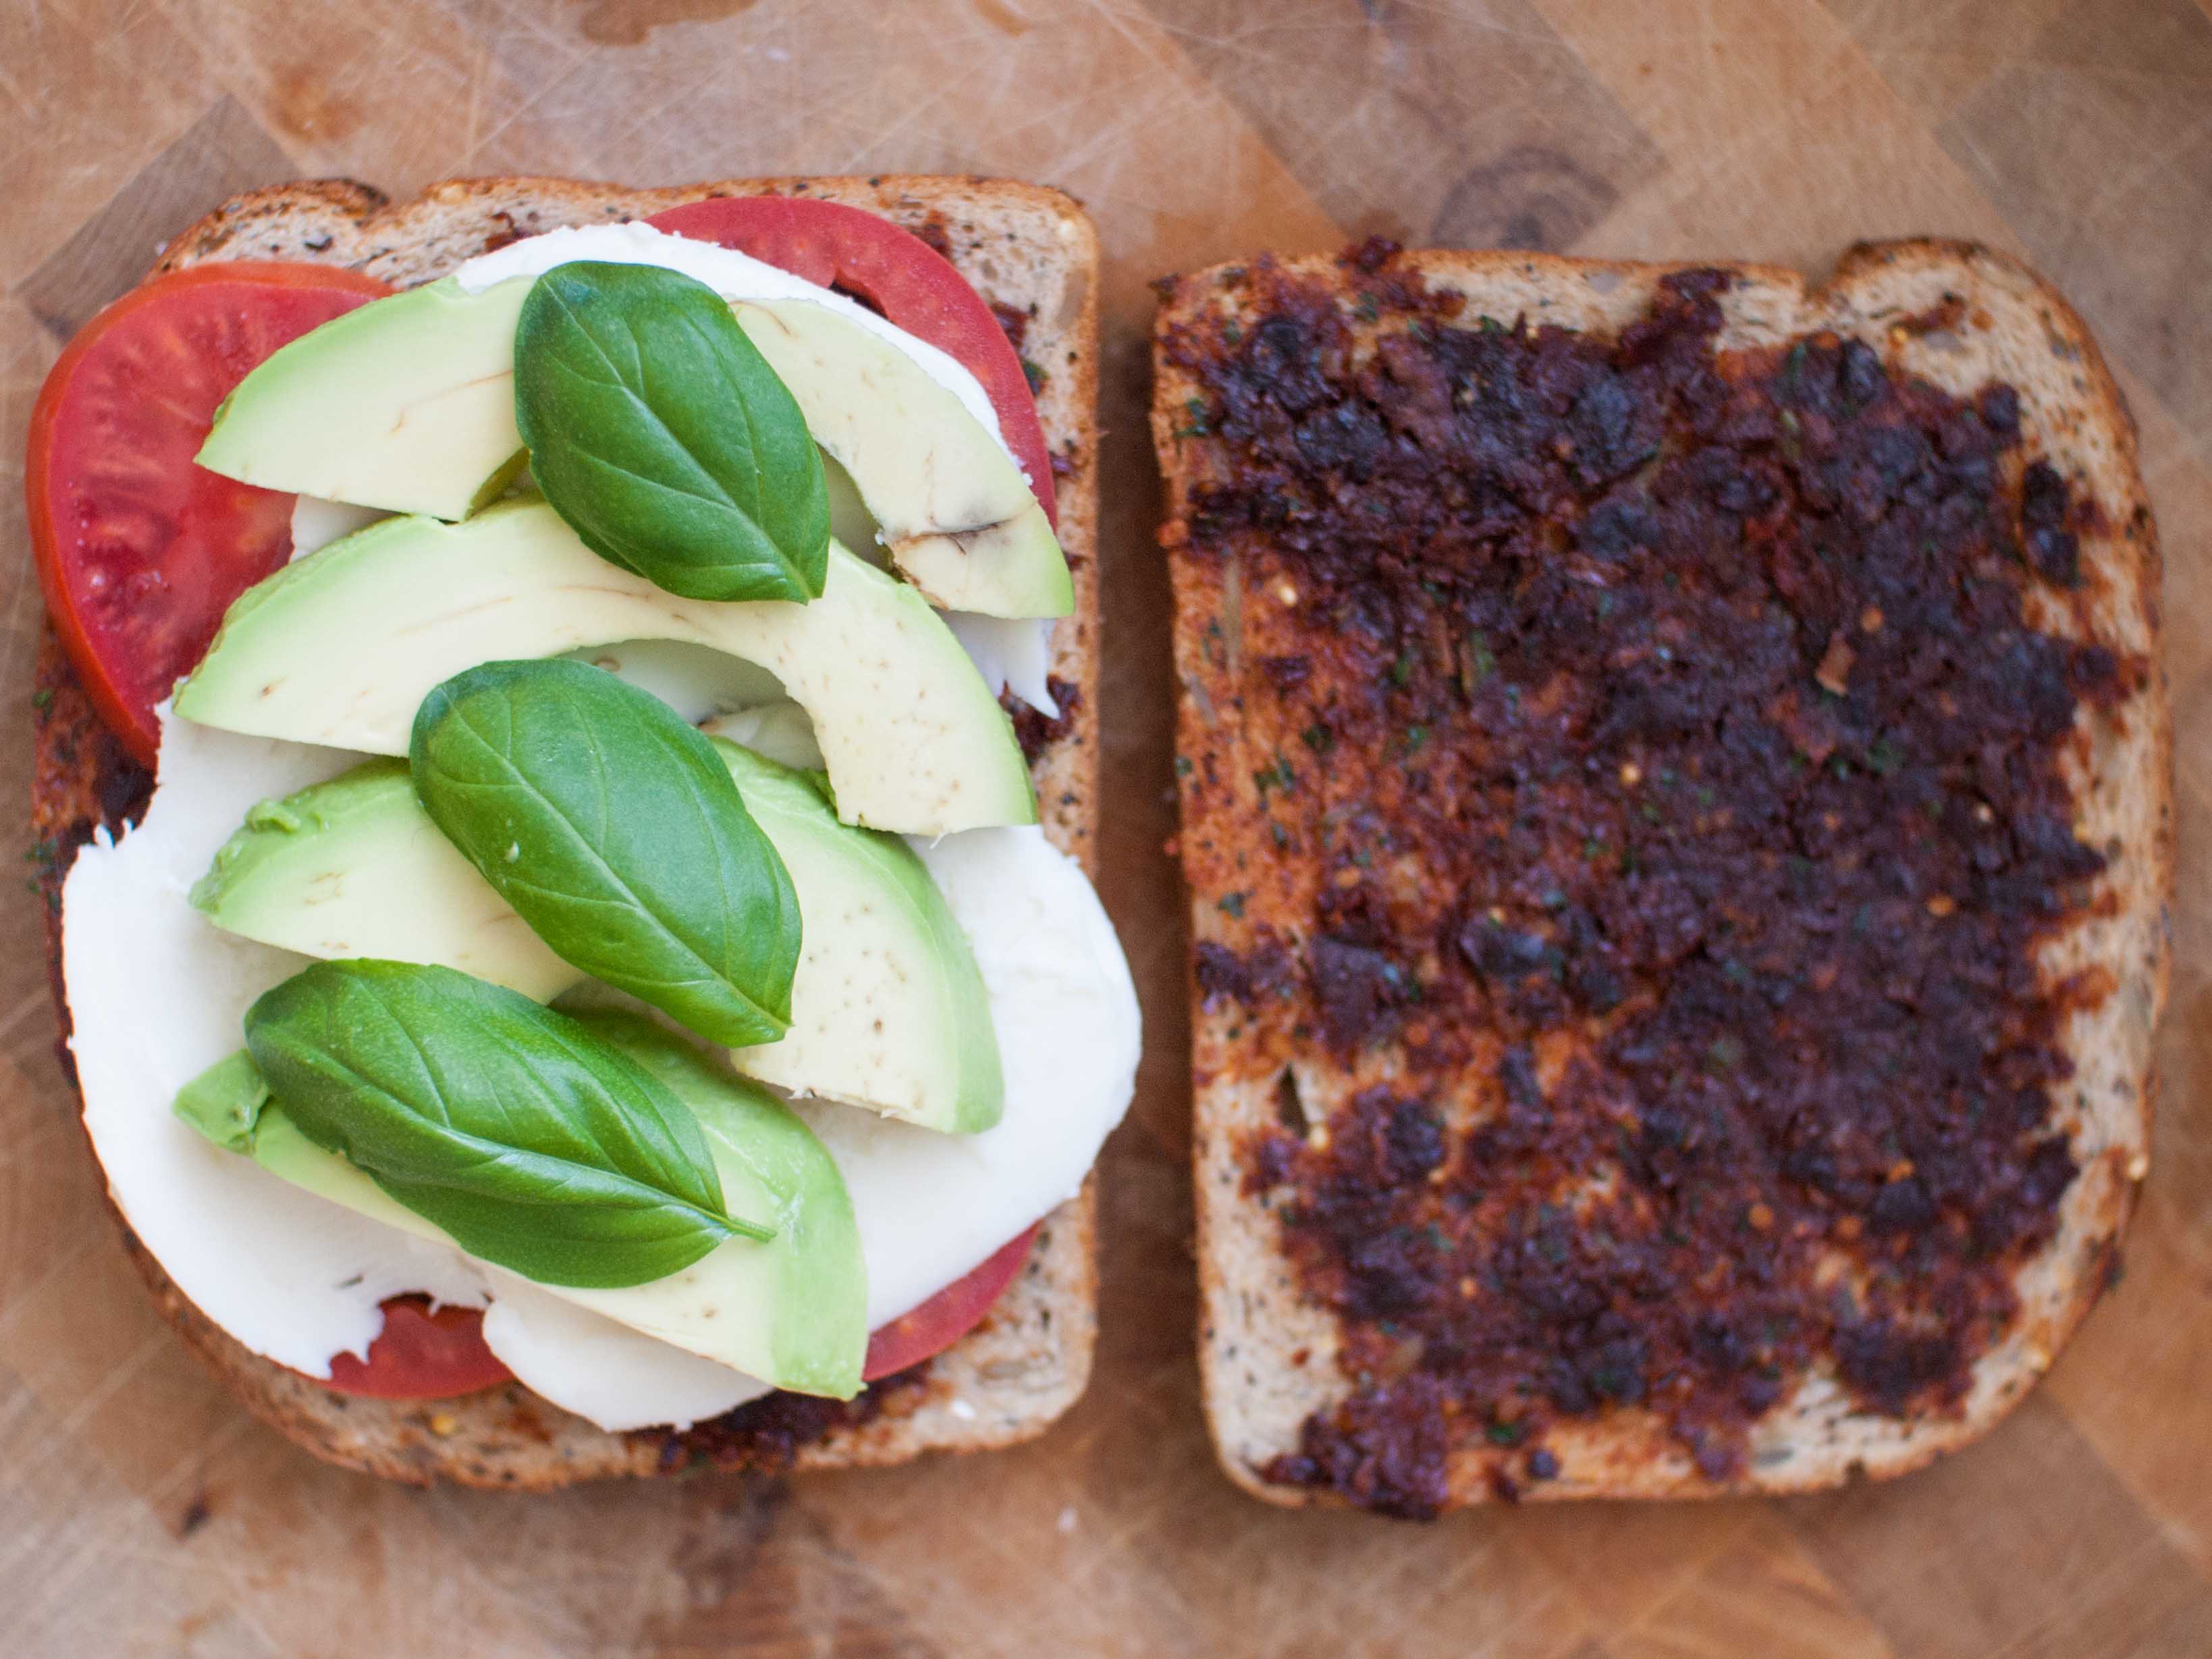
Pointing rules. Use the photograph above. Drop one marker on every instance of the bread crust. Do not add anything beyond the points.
(1021, 245)
(1266, 1349)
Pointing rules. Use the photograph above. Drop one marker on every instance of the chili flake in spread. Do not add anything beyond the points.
(1640, 787)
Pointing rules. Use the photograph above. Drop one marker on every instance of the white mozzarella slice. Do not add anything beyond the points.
(586, 1362)
(156, 994)
(317, 523)
(1013, 652)
(1065, 1013)
(781, 730)
(733, 276)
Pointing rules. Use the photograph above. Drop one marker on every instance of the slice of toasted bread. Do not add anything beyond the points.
(1284, 1316)
(1031, 252)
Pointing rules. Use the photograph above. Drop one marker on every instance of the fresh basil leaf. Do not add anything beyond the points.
(614, 831)
(658, 430)
(532, 1142)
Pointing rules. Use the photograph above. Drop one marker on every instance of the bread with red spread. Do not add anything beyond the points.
(1031, 252)
(1675, 789)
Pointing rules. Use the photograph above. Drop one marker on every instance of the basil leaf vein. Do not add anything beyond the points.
(616, 832)
(661, 434)
(530, 1141)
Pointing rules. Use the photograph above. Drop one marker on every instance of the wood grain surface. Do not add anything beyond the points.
(142, 1512)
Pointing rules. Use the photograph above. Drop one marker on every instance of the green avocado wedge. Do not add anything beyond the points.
(791, 1311)
(813, 1276)
(409, 403)
(888, 1009)
(340, 648)
(960, 520)
(405, 403)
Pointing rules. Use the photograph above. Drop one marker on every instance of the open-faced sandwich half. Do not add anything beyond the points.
(1676, 791)
(601, 973)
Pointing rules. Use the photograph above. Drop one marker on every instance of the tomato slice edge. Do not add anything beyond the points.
(424, 1355)
(119, 706)
(944, 1318)
(420, 1354)
(836, 244)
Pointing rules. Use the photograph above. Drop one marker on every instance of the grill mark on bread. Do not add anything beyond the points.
(1493, 905)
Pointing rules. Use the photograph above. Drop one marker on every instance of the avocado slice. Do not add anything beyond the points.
(340, 648)
(406, 403)
(888, 1009)
(792, 1311)
(959, 518)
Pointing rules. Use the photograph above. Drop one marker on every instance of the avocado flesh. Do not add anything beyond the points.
(888, 1008)
(778, 730)
(406, 403)
(791, 1311)
(341, 647)
(355, 867)
(960, 520)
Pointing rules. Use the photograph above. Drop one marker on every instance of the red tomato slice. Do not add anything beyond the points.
(421, 1355)
(139, 551)
(901, 276)
(947, 1316)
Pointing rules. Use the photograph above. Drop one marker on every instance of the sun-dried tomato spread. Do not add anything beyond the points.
(1627, 766)
(765, 1436)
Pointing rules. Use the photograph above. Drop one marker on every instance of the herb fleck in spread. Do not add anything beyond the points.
(1662, 810)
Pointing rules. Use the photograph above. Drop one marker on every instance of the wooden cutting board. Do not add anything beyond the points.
(141, 1512)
